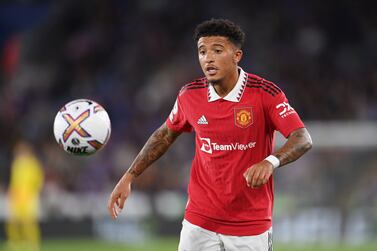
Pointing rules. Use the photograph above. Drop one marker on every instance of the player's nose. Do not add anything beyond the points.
(209, 58)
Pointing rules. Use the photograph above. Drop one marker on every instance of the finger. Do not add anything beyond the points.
(246, 173)
(115, 213)
(266, 177)
(121, 201)
(255, 178)
(259, 179)
(111, 206)
(258, 184)
(249, 177)
(111, 212)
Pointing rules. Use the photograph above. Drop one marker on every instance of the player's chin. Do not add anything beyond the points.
(212, 78)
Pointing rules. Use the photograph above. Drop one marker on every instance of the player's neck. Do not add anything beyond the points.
(226, 85)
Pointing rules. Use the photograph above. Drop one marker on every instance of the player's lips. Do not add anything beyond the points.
(211, 70)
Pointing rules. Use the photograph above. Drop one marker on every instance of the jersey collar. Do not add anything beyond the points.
(235, 94)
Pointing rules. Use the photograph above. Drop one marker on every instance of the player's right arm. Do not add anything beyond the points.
(157, 144)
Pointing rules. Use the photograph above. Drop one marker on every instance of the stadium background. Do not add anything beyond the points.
(133, 56)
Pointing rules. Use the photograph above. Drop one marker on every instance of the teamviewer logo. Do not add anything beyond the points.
(209, 147)
(206, 145)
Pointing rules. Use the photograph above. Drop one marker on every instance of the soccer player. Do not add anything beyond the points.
(26, 183)
(234, 115)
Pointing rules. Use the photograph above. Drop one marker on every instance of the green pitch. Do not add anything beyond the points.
(95, 245)
(171, 245)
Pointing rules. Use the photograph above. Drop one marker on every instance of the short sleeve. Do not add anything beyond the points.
(282, 116)
(177, 120)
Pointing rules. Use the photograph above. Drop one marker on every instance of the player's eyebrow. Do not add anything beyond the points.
(221, 45)
(212, 45)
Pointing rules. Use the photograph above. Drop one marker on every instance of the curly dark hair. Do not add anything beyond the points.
(220, 27)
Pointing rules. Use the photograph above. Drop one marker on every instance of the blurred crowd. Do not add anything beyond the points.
(133, 56)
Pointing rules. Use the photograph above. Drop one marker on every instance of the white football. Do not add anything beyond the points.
(82, 127)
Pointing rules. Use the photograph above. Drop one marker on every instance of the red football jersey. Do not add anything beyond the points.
(232, 133)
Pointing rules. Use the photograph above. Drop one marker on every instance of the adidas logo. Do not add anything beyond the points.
(202, 120)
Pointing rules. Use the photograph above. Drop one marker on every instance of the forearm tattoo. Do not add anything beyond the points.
(298, 143)
(157, 144)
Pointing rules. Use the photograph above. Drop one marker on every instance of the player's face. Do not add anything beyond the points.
(218, 57)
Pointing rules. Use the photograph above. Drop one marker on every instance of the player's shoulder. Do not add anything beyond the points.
(194, 86)
(261, 85)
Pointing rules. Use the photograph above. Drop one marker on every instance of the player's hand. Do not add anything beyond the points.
(118, 197)
(258, 174)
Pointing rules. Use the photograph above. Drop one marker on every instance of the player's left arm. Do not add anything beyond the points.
(282, 117)
(298, 143)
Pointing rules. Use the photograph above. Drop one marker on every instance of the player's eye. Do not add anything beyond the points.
(218, 51)
(202, 52)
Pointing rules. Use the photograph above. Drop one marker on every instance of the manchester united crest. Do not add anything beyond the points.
(243, 117)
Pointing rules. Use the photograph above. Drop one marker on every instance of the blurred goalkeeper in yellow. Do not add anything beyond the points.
(23, 197)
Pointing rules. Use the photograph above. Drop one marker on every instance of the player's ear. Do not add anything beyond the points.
(237, 56)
